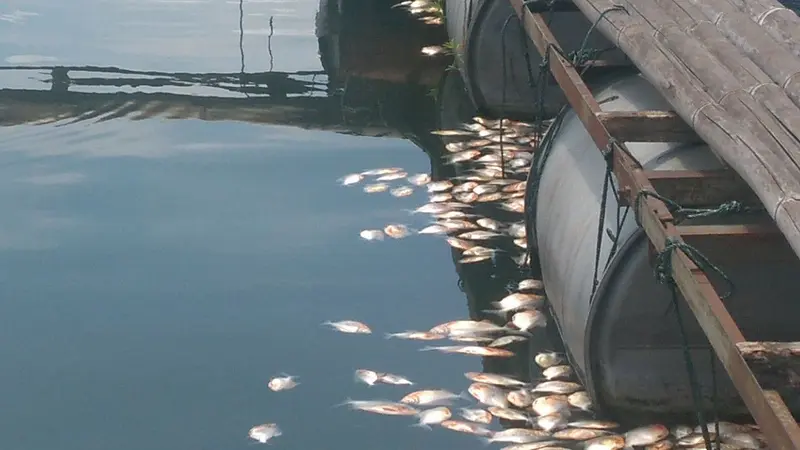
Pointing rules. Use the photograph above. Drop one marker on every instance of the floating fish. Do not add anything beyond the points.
(557, 387)
(440, 198)
(434, 229)
(476, 415)
(351, 179)
(516, 230)
(552, 422)
(530, 285)
(449, 215)
(516, 187)
(439, 186)
(465, 427)
(614, 442)
(383, 407)
(283, 383)
(372, 235)
(468, 326)
(464, 187)
(380, 172)
(416, 335)
(472, 350)
(555, 372)
(429, 397)
(516, 205)
(646, 435)
(419, 179)
(521, 398)
(488, 394)
(377, 187)
(433, 208)
(263, 433)
(550, 404)
(458, 224)
(468, 337)
(478, 235)
(459, 243)
(485, 189)
(433, 50)
(667, 444)
(518, 435)
(349, 326)
(433, 416)
(578, 434)
(397, 380)
(368, 377)
(539, 445)
(462, 156)
(545, 360)
(392, 176)
(474, 259)
(487, 198)
(527, 320)
(508, 414)
(479, 251)
(396, 231)
(466, 197)
(519, 300)
(402, 191)
(495, 379)
(580, 400)
(489, 224)
(451, 133)
(521, 243)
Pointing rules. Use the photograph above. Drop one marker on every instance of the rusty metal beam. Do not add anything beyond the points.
(769, 410)
(647, 126)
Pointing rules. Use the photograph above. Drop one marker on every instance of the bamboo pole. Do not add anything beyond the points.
(757, 160)
(781, 23)
(782, 65)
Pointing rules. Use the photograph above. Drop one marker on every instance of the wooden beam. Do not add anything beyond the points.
(738, 243)
(776, 365)
(693, 188)
(647, 126)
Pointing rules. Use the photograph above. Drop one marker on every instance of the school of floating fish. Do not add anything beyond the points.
(551, 413)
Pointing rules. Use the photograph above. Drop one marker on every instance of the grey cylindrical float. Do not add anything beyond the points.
(624, 340)
(493, 54)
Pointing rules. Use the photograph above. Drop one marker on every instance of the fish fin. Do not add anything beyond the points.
(465, 395)
(410, 211)
(422, 425)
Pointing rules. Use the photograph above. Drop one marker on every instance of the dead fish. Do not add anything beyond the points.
(472, 350)
(518, 163)
(419, 179)
(396, 231)
(478, 235)
(377, 187)
(530, 285)
(432, 208)
(557, 387)
(459, 243)
(516, 205)
(479, 251)
(416, 335)
(402, 191)
(552, 422)
(451, 132)
(521, 243)
(351, 179)
(527, 320)
(516, 230)
(380, 172)
(440, 198)
(540, 445)
(550, 404)
(580, 400)
(368, 377)
(462, 156)
(666, 444)
(578, 434)
(695, 439)
(486, 198)
(518, 435)
(476, 415)
(485, 189)
(516, 187)
(392, 176)
(508, 414)
(383, 407)
(615, 442)
(393, 379)
(741, 440)
(433, 416)
(458, 224)
(494, 379)
(464, 187)
(465, 427)
(429, 397)
(263, 433)
(545, 360)
(283, 383)
(488, 394)
(474, 259)
(519, 300)
(680, 431)
(555, 372)
(434, 229)
(349, 326)
(646, 435)
(466, 197)
(468, 337)
(449, 215)
(594, 424)
(439, 186)
(521, 398)
(433, 50)
(506, 340)
(489, 224)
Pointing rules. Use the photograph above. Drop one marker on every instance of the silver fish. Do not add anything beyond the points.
(521, 398)
(402, 191)
(459, 243)
(578, 434)
(557, 387)
(472, 350)
(372, 235)
(368, 377)
(440, 198)
(494, 379)
(349, 326)
(464, 187)
(555, 372)
(396, 231)
(283, 383)
(419, 179)
(545, 360)
(377, 187)
(489, 224)
(390, 378)
(508, 414)
(552, 422)
(519, 300)
(595, 424)
(392, 176)
(263, 433)
(476, 415)
(439, 186)
(434, 229)
(429, 397)
(474, 259)
(516, 230)
(550, 404)
(518, 435)
(451, 132)
(488, 394)
(646, 435)
(351, 179)
(416, 335)
(530, 285)
(527, 320)
(379, 172)
(433, 416)
(383, 407)
(506, 340)
(580, 400)
(478, 235)
(433, 208)
(466, 427)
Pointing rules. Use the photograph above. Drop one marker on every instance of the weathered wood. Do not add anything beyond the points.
(739, 243)
(782, 24)
(780, 63)
(647, 126)
(690, 188)
(743, 149)
(775, 364)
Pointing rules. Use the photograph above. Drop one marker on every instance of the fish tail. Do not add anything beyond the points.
(389, 335)
(465, 395)
(346, 402)
(428, 348)
(410, 211)
(422, 425)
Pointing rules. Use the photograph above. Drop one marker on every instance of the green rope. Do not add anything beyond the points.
(681, 213)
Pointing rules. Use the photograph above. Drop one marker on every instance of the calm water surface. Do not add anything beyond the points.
(155, 273)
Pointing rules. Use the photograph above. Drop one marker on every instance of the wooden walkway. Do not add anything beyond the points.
(731, 71)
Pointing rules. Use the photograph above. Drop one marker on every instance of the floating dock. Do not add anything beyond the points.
(702, 147)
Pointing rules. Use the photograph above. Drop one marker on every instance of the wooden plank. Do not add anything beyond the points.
(691, 188)
(647, 126)
(782, 24)
(751, 243)
(775, 364)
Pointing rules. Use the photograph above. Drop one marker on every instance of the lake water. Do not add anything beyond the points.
(156, 273)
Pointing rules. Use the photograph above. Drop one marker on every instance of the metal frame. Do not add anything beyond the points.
(767, 407)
